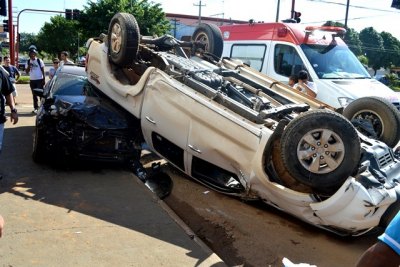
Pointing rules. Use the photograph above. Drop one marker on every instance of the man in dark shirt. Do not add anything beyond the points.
(13, 74)
(6, 89)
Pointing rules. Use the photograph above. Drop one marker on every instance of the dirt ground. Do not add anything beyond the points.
(255, 234)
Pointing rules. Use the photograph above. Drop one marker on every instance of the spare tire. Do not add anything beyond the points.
(321, 149)
(123, 39)
(211, 35)
(376, 118)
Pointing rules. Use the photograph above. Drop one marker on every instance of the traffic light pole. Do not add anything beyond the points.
(19, 13)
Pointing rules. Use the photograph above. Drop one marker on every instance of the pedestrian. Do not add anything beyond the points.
(6, 98)
(64, 59)
(386, 252)
(35, 68)
(304, 85)
(52, 70)
(13, 74)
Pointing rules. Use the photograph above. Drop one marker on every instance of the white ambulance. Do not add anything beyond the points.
(283, 49)
(280, 50)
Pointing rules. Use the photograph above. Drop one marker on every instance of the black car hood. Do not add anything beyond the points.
(95, 112)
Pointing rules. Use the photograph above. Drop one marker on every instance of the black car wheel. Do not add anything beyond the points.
(375, 117)
(211, 35)
(39, 149)
(123, 39)
(320, 149)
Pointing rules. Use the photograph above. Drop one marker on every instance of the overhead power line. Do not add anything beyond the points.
(361, 7)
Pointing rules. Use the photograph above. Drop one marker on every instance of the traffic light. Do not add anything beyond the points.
(76, 13)
(68, 14)
(396, 4)
(5, 25)
(72, 14)
(3, 8)
(297, 16)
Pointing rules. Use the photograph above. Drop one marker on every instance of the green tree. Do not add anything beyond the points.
(372, 47)
(26, 40)
(150, 17)
(363, 59)
(59, 35)
(391, 45)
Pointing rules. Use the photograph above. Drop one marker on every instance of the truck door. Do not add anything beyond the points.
(165, 119)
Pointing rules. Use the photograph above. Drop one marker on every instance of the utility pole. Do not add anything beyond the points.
(277, 10)
(347, 14)
(292, 11)
(199, 5)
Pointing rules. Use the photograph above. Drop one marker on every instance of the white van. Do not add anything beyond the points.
(280, 50)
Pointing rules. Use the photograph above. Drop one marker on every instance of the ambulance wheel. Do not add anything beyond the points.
(376, 118)
(211, 35)
(123, 39)
(321, 149)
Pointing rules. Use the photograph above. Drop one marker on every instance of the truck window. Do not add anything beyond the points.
(334, 62)
(287, 61)
(250, 54)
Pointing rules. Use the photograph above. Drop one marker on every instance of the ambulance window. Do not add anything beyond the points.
(250, 54)
(287, 61)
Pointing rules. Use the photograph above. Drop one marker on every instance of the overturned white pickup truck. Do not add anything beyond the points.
(230, 128)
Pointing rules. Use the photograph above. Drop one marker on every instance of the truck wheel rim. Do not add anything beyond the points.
(116, 38)
(320, 151)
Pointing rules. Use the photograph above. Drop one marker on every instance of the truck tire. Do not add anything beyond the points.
(321, 149)
(39, 150)
(376, 118)
(123, 39)
(211, 35)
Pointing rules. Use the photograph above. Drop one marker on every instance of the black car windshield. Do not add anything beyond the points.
(334, 62)
(68, 84)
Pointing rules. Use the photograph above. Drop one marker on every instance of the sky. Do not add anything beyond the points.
(361, 14)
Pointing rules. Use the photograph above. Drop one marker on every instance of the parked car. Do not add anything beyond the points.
(232, 129)
(81, 61)
(22, 63)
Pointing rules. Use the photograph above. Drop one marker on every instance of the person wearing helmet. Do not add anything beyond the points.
(35, 68)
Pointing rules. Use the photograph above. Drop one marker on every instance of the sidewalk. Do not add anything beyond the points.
(105, 217)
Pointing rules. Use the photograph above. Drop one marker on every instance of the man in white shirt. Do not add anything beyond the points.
(304, 85)
(65, 60)
(35, 68)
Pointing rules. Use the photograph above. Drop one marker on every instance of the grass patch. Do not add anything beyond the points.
(23, 80)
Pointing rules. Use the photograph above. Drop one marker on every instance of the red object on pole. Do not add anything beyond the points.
(11, 33)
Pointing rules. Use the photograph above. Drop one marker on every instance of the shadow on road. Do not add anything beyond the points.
(102, 191)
